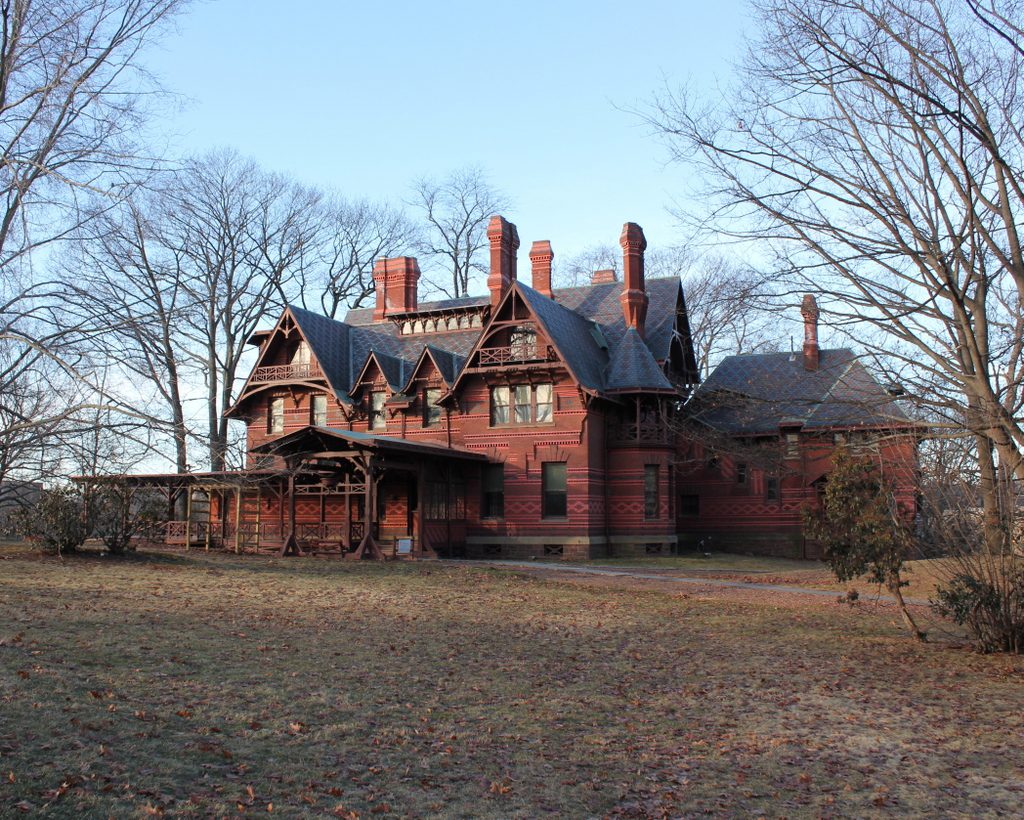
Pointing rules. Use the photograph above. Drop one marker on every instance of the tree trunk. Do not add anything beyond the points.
(908, 620)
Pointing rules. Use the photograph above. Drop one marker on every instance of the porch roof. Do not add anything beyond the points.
(312, 439)
(223, 478)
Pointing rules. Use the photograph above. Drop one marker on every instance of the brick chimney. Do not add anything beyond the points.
(634, 295)
(504, 241)
(809, 310)
(603, 277)
(540, 262)
(395, 282)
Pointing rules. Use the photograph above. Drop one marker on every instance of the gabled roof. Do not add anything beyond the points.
(312, 439)
(756, 394)
(578, 340)
(585, 325)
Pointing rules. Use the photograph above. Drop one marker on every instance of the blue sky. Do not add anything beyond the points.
(365, 97)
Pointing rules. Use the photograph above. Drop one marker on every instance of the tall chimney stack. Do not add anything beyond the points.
(395, 283)
(634, 294)
(812, 354)
(504, 239)
(540, 263)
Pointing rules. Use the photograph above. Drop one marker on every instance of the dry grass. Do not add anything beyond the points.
(208, 685)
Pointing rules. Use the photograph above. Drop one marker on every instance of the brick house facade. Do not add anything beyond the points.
(529, 422)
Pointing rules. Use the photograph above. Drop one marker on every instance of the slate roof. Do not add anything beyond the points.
(633, 367)
(585, 324)
(755, 394)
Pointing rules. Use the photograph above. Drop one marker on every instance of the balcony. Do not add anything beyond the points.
(286, 373)
(490, 356)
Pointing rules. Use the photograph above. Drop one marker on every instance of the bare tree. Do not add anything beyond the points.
(70, 105)
(873, 149)
(455, 212)
(127, 293)
(241, 234)
(71, 99)
(353, 235)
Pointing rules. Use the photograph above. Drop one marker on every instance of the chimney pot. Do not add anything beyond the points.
(634, 293)
(540, 263)
(812, 353)
(504, 240)
(395, 283)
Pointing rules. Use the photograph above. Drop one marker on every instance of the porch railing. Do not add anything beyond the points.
(286, 372)
(252, 535)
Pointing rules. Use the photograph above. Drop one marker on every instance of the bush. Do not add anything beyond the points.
(119, 515)
(59, 520)
(986, 596)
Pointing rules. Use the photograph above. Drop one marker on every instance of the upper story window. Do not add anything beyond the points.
(275, 416)
(522, 343)
(301, 356)
(378, 420)
(431, 409)
(318, 411)
(522, 404)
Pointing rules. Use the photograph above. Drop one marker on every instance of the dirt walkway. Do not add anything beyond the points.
(629, 574)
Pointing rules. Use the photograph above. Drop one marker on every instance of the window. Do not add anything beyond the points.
(431, 411)
(378, 420)
(554, 550)
(553, 490)
(651, 505)
(545, 403)
(741, 473)
(494, 491)
(275, 416)
(689, 505)
(499, 405)
(522, 343)
(318, 411)
(771, 488)
(436, 508)
(446, 500)
(301, 356)
(522, 404)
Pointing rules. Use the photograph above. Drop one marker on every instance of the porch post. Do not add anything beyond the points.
(188, 518)
(346, 521)
(291, 544)
(259, 507)
(238, 519)
(421, 531)
(209, 517)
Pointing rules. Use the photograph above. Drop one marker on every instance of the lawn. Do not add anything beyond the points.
(205, 685)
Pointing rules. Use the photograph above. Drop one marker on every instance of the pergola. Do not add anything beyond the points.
(360, 461)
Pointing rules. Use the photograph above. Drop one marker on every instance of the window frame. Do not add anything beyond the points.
(554, 500)
(432, 411)
(316, 417)
(378, 413)
(517, 412)
(275, 420)
(492, 492)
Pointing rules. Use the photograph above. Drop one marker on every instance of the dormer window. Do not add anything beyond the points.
(431, 409)
(318, 411)
(378, 420)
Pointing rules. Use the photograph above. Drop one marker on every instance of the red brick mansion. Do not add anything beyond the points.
(529, 422)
